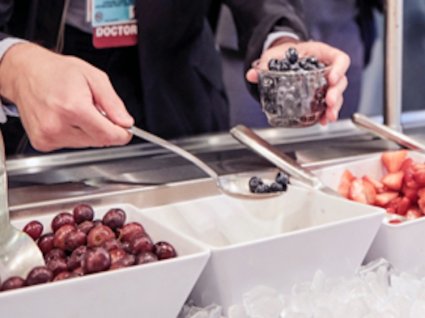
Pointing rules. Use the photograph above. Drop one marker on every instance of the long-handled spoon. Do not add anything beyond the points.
(233, 185)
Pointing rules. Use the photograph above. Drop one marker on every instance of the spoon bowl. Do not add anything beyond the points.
(18, 254)
(237, 185)
(18, 251)
(233, 185)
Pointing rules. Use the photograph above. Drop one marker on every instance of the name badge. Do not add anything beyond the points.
(114, 23)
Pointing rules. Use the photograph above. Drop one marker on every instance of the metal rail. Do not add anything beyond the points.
(393, 11)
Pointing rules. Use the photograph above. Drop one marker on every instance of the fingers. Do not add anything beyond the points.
(336, 59)
(76, 130)
(339, 67)
(57, 97)
(100, 130)
(252, 76)
(334, 98)
(74, 138)
(106, 98)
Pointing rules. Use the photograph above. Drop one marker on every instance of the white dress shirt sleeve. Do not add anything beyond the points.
(276, 35)
(7, 110)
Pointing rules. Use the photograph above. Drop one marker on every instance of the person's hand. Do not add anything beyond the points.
(337, 60)
(60, 100)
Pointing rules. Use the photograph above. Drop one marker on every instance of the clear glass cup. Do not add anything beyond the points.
(293, 98)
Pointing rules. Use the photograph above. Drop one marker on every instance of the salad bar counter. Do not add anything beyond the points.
(197, 243)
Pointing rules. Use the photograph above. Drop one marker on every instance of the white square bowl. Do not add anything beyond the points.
(275, 242)
(151, 290)
(401, 244)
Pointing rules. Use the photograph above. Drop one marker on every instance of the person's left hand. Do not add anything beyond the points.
(335, 59)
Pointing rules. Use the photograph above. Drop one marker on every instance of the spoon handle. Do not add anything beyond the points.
(4, 209)
(387, 133)
(173, 148)
(249, 138)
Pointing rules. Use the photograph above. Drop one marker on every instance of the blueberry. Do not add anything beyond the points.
(262, 188)
(284, 66)
(282, 178)
(306, 65)
(320, 65)
(277, 187)
(292, 55)
(274, 65)
(254, 182)
(312, 60)
(295, 67)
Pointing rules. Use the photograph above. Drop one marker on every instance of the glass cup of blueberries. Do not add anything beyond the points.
(292, 90)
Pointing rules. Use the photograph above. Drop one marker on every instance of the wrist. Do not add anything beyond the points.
(12, 66)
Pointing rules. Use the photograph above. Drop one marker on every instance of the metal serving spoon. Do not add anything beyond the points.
(249, 138)
(18, 251)
(233, 185)
(387, 133)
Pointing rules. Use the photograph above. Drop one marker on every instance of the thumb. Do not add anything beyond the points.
(252, 76)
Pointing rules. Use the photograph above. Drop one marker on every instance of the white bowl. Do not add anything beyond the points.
(151, 290)
(275, 242)
(401, 244)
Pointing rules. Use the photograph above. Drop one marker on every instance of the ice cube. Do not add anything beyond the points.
(214, 311)
(262, 302)
(418, 309)
(318, 283)
(291, 314)
(236, 311)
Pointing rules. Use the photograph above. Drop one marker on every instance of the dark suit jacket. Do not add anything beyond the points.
(180, 69)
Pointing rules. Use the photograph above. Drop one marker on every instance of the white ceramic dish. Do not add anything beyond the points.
(275, 242)
(151, 290)
(400, 244)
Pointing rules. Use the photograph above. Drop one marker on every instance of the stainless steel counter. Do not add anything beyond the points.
(60, 180)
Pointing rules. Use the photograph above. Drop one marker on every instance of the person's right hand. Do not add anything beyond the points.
(60, 100)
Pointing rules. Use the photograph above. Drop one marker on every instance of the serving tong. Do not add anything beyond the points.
(387, 133)
(249, 138)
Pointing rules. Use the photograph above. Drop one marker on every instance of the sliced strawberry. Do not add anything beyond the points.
(345, 182)
(419, 177)
(382, 199)
(419, 166)
(403, 206)
(411, 193)
(356, 191)
(393, 181)
(413, 213)
(370, 192)
(407, 163)
(393, 160)
(379, 187)
(421, 204)
(421, 192)
(395, 221)
(393, 205)
(408, 179)
(362, 192)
